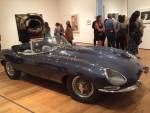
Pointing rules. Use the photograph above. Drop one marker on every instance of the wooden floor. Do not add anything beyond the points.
(34, 95)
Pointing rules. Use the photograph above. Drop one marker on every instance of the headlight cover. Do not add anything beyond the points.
(115, 78)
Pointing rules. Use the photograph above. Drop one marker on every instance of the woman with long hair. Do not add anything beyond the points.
(99, 31)
(134, 33)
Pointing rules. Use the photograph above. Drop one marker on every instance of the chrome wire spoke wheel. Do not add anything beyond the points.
(82, 87)
(9, 68)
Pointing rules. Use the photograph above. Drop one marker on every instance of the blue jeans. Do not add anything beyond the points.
(111, 39)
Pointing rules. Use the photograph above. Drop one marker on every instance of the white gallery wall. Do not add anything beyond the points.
(137, 5)
(8, 9)
(115, 6)
(86, 10)
(60, 11)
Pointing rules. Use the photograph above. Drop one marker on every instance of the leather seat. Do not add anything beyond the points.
(21, 48)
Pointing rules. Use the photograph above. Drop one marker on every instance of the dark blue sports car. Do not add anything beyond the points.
(85, 70)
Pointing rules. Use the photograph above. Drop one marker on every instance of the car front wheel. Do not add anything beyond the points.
(11, 72)
(82, 89)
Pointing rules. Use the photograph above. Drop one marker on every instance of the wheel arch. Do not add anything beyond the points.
(65, 77)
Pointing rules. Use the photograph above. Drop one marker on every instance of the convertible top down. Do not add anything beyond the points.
(85, 70)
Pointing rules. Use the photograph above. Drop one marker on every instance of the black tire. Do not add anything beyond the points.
(92, 98)
(14, 74)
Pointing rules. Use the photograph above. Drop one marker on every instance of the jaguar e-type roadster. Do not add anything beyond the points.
(85, 71)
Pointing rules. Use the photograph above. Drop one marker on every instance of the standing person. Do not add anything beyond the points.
(127, 32)
(121, 35)
(62, 31)
(69, 32)
(99, 31)
(110, 31)
(47, 31)
(134, 33)
(141, 26)
(93, 26)
(117, 27)
(57, 33)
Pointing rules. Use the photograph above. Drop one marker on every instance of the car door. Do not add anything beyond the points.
(49, 66)
(27, 63)
(21, 62)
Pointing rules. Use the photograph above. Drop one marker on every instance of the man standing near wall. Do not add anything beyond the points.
(110, 31)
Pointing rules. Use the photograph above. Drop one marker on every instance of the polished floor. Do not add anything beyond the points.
(34, 95)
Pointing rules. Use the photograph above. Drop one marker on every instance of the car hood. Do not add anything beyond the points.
(105, 57)
(101, 56)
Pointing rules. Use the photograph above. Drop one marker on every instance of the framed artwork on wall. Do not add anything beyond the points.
(75, 23)
(145, 15)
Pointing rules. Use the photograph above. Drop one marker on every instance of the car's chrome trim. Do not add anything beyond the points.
(128, 89)
(107, 76)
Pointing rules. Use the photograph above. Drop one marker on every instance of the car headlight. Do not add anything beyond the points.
(115, 78)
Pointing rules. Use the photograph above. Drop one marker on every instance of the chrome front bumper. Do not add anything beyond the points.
(128, 89)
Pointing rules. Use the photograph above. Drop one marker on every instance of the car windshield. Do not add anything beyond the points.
(48, 44)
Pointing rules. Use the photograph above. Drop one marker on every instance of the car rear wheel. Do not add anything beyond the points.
(11, 72)
(82, 89)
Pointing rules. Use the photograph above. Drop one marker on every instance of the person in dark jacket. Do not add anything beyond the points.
(121, 34)
(134, 33)
(69, 32)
